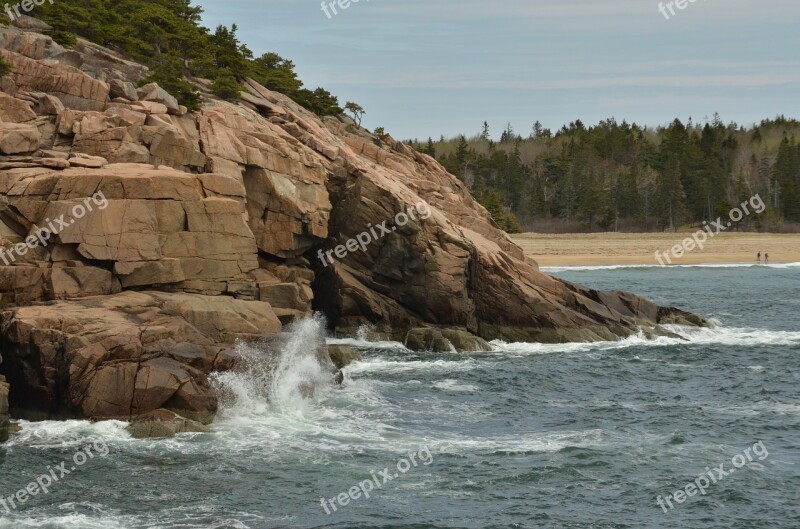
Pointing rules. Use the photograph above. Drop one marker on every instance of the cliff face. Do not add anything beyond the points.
(181, 232)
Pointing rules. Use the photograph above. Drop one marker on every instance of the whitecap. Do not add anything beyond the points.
(66, 434)
(716, 334)
(529, 442)
(384, 365)
(68, 521)
(453, 385)
(740, 336)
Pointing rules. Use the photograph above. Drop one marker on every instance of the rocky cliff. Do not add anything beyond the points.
(142, 240)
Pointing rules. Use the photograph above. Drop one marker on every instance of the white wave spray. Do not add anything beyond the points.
(277, 378)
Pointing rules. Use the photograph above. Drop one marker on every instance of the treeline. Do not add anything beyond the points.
(167, 36)
(624, 177)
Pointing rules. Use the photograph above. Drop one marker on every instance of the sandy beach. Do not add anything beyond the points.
(594, 249)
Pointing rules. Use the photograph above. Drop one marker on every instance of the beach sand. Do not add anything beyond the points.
(593, 249)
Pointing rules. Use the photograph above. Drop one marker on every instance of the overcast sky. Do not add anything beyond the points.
(428, 67)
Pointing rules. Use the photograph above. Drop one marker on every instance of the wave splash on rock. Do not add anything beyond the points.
(277, 376)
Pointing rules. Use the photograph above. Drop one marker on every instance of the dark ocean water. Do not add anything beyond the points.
(550, 436)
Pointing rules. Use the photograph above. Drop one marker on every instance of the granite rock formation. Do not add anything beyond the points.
(206, 227)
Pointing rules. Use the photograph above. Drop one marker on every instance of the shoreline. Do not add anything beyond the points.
(552, 269)
(638, 249)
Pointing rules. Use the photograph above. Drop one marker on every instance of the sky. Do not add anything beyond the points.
(425, 68)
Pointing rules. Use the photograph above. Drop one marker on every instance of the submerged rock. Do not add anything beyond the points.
(162, 423)
(445, 340)
(338, 378)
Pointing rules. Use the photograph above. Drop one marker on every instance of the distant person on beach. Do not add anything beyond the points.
(758, 257)
(766, 258)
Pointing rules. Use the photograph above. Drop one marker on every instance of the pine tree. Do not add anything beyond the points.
(276, 73)
(786, 177)
(462, 150)
(485, 132)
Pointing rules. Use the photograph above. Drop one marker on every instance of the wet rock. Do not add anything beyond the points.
(5, 425)
(674, 316)
(162, 423)
(444, 340)
(122, 355)
(343, 355)
(338, 378)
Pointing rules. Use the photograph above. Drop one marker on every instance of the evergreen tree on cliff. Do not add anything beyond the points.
(167, 36)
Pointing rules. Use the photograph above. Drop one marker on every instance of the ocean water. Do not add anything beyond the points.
(529, 435)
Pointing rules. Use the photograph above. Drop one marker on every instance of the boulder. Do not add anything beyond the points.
(13, 110)
(104, 63)
(464, 341)
(286, 296)
(86, 160)
(55, 163)
(18, 138)
(49, 153)
(170, 145)
(127, 116)
(444, 340)
(162, 423)
(75, 88)
(151, 107)
(30, 23)
(21, 285)
(122, 355)
(71, 282)
(123, 89)
(153, 92)
(48, 105)
(343, 355)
